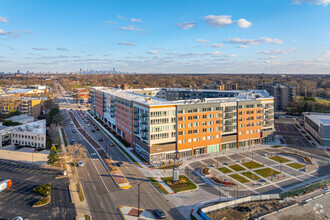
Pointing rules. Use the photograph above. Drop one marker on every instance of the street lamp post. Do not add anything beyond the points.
(139, 198)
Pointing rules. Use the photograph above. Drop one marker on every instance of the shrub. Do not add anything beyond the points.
(44, 190)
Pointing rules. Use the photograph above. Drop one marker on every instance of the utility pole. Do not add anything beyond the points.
(139, 197)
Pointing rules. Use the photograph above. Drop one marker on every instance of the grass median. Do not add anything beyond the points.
(80, 192)
(279, 159)
(64, 137)
(159, 186)
(252, 165)
(296, 165)
(239, 178)
(224, 170)
(266, 172)
(251, 176)
(120, 147)
(183, 184)
(237, 167)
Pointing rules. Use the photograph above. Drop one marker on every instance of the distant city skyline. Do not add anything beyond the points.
(238, 36)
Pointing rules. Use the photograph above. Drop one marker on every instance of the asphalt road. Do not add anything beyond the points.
(102, 195)
(18, 200)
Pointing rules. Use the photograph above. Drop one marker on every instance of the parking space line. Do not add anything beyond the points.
(23, 194)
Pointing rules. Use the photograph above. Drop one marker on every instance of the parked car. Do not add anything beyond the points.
(80, 164)
(97, 128)
(160, 213)
(93, 130)
(72, 142)
(39, 149)
(119, 164)
(100, 139)
(74, 130)
(111, 144)
(71, 123)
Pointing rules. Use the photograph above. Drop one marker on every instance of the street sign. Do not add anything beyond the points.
(176, 174)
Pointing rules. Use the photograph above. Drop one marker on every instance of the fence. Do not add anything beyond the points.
(233, 203)
(305, 188)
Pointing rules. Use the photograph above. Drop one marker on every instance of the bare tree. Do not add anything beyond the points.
(9, 103)
(77, 152)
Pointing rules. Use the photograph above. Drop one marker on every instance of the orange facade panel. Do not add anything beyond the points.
(198, 129)
(249, 123)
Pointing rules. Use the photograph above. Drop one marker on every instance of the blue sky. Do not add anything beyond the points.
(181, 36)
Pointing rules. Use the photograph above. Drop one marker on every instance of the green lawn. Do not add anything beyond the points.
(237, 167)
(296, 165)
(252, 165)
(183, 184)
(279, 159)
(251, 176)
(239, 178)
(266, 172)
(159, 186)
(225, 170)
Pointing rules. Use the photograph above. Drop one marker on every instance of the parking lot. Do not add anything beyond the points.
(291, 136)
(18, 200)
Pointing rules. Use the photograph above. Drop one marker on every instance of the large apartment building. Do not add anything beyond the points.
(178, 123)
(282, 94)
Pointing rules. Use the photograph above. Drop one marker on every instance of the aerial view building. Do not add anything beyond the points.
(318, 125)
(185, 122)
(282, 94)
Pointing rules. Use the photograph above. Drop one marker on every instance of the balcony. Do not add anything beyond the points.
(112, 115)
(144, 122)
(145, 115)
(136, 125)
(136, 118)
(136, 132)
(144, 129)
(112, 111)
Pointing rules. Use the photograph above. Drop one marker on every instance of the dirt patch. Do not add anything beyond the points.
(249, 210)
(206, 171)
(220, 181)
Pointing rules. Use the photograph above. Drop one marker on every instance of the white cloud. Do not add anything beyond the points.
(243, 46)
(4, 20)
(130, 28)
(121, 17)
(267, 58)
(218, 21)
(186, 25)
(27, 32)
(152, 52)
(62, 48)
(316, 2)
(39, 48)
(127, 43)
(218, 45)
(136, 20)
(254, 41)
(109, 22)
(215, 53)
(202, 40)
(279, 51)
(159, 48)
(242, 23)
(2, 32)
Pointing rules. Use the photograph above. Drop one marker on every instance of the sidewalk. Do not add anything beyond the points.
(81, 207)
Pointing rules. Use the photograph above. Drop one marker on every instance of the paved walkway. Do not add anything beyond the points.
(131, 213)
(81, 207)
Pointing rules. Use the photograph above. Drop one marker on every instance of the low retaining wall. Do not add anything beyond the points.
(228, 204)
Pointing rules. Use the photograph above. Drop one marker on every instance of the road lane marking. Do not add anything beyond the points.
(101, 204)
(100, 176)
(94, 187)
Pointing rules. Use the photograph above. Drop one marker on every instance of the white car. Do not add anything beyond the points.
(80, 164)
(71, 123)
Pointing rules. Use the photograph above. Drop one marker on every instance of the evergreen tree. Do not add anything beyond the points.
(53, 156)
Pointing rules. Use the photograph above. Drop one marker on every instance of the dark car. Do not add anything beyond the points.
(74, 130)
(160, 213)
(39, 149)
(93, 130)
(100, 139)
(72, 142)
(119, 164)
(97, 128)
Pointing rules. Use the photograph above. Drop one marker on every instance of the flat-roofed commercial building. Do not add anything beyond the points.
(161, 129)
(318, 125)
(30, 134)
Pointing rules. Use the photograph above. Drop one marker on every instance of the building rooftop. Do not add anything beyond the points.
(22, 119)
(319, 118)
(38, 127)
(16, 91)
(241, 95)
